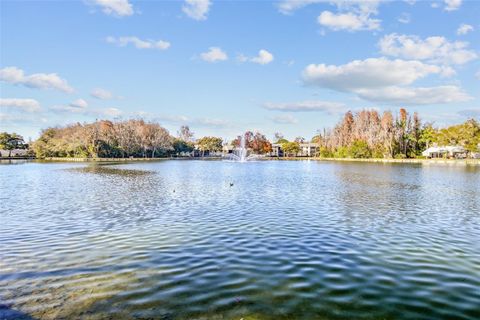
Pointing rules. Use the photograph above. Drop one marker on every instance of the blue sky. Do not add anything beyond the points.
(223, 67)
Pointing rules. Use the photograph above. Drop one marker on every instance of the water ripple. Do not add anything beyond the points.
(289, 240)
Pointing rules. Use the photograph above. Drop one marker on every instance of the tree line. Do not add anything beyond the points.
(363, 134)
(108, 139)
(369, 134)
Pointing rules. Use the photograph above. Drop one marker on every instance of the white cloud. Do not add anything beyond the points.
(352, 15)
(77, 106)
(284, 119)
(464, 29)
(101, 94)
(214, 54)
(367, 7)
(79, 103)
(197, 9)
(369, 73)
(263, 57)
(184, 120)
(288, 6)
(119, 8)
(74, 108)
(415, 96)
(111, 112)
(28, 105)
(432, 49)
(404, 18)
(306, 106)
(139, 43)
(370, 80)
(347, 21)
(15, 75)
(451, 5)
(68, 108)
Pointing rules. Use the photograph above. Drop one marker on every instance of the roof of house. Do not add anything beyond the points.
(444, 149)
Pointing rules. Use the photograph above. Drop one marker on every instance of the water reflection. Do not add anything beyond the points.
(303, 240)
(109, 169)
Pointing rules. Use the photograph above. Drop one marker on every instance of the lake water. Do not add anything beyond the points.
(288, 240)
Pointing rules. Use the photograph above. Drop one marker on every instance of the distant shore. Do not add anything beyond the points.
(378, 160)
(371, 160)
(414, 161)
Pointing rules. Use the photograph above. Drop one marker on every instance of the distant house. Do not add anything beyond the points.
(308, 149)
(276, 150)
(457, 152)
(228, 149)
(14, 153)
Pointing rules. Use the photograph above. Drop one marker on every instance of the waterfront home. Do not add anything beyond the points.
(308, 149)
(228, 149)
(457, 152)
(276, 150)
(13, 153)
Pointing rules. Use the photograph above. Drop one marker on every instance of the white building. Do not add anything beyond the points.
(446, 152)
(13, 153)
(308, 149)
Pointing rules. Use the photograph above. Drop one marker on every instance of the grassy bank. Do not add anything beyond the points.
(65, 159)
(411, 161)
(62, 159)
(378, 160)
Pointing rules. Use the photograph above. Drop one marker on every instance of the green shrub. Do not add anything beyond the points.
(341, 152)
(359, 149)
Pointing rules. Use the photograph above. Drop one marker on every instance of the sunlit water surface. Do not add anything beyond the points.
(288, 240)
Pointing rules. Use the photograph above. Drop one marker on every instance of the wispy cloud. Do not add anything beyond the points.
(118, 8)
(17, 76)
(184, 120)
(139, 43)
(306, 106)
(284, 119)
(197, 9)
(79, 103)
(27, 105)
(415, 95)
(404, 18)
(101, 94)
(80, 107)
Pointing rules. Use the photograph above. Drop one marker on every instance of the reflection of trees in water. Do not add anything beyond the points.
(109, 170)
(10, 162)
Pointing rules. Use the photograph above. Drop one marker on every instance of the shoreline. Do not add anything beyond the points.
(473, 162)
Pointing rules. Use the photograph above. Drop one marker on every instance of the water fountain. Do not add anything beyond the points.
(240, 153)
